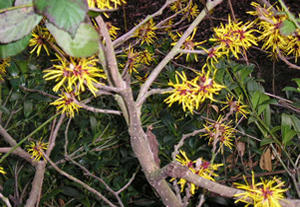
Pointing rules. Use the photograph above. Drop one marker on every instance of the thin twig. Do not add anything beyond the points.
(96, 110)
(129, 34)
(153, 92)
(38, 91)
(291, 65)
(183, 138)
(87, 187)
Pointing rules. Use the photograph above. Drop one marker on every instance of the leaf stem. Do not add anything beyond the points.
(24, 139)
(15, 7)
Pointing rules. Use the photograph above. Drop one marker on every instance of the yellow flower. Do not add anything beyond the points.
(112, 30)
(40, 37)
(192, 11)
(77, 72)
(191, 93)
(213, 56)
(36, 149)
(178, 5)
(189, 44)
(266, 193)
(200, 167)
(146, 32)
(220, 132)
(145, 57)
(236, 107)
(293, 45)
(233, 37)
(133, 60)
(269, 24)
(4, 63)
(2, 171)
(67, 104)
(105, 4)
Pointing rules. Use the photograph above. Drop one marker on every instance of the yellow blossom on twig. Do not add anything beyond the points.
(75, 74)
(36, 149)
(191, 93)
(2, 171)
(4, 63)
(266, 193)
(67, 104)
(200, 167)
(146, 32)
(40, 38)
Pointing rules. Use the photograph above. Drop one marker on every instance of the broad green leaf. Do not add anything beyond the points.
(255, 99)
(22, 2)
(287, 27)
(84, 44)
(288, 136)
(4, 109)
(11, 49)
(6, 4)
(18, 23)
(28, 107)
(64, 14)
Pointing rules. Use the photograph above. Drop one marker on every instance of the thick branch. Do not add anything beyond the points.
(11, 141)
(176, 170)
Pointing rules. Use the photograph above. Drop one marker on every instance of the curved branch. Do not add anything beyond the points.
(176, 170)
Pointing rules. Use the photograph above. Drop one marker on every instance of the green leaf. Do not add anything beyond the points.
(287, 27)
(64, 14)
(28, 107)
(288, 136)
(4, 109)
(84, 44)
(22, 2)
(11, 49)
(18, 23)
(6, 4)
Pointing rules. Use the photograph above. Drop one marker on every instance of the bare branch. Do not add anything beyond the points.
(129, 34)
(181, 142)
(92, 190)
(291, 65)
(96, 110)
(152, 92)
(11, 141)
(38, 91)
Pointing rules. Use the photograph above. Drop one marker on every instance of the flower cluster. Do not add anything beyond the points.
(136, 58)
(40, 38)
(233, 38)
(189, 44)
(36, 149)
(236, 107)
(186, 7)
(4, 63)
(105, 4)
(67, 104)
(146, 32)
(2, 171)
(200, 167)
(75, 73)
(191, 93)
(220, 132)
(266, 193)
(270, 21)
